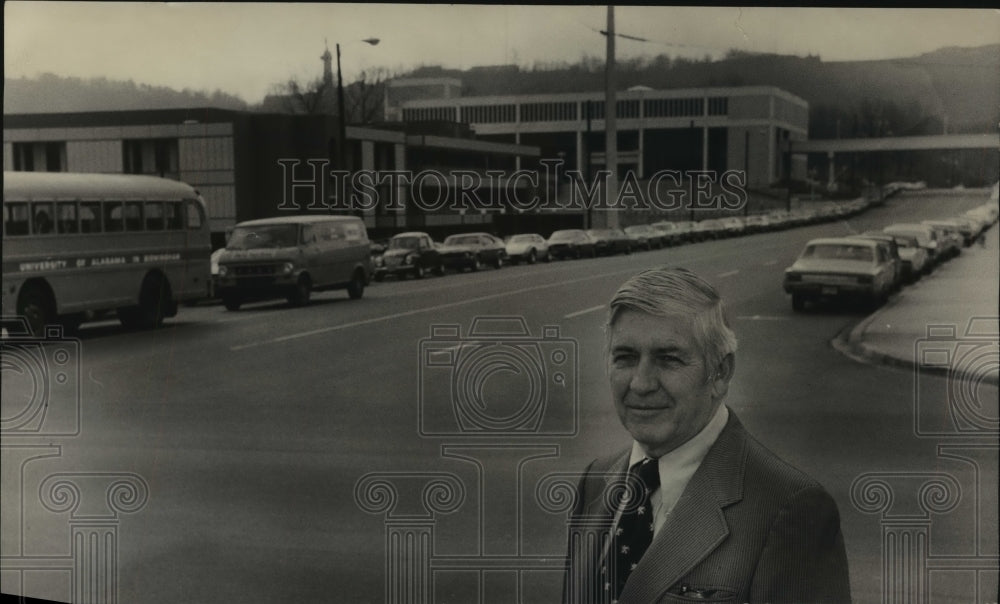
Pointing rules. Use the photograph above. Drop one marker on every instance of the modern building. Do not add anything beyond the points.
(253, 165)
(745, 128)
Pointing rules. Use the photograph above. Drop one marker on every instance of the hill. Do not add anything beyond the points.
(50, 93)
(915, 95)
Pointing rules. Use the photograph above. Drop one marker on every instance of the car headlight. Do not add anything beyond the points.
(408, 259)
(287, 268)
(379, 261)
(223, 270)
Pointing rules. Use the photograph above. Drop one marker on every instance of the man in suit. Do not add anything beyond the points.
(695, 510)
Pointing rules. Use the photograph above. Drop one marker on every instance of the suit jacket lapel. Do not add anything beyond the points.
(696, 526)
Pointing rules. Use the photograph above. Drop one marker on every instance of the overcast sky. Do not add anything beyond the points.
(244, 49)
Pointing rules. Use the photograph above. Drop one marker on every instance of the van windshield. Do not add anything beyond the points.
(264, 236)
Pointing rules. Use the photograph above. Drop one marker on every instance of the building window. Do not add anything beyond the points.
(718, 105)
(153, 156)
(627, 109)
(40, 157)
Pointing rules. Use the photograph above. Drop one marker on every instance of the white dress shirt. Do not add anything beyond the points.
(678, 466)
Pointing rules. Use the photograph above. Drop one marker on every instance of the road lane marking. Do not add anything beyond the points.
(762, 318)
(584, 311)
(770, 263)
(416, 311)
(727, 274)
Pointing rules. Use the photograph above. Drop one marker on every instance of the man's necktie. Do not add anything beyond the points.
(635, 527)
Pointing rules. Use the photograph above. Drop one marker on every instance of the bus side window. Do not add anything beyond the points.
(15, 219)
(133, 215)
(113, 222)
(194, 215)
(66, 219)
(174, 222)
(43, 218)
(154, 215)
(90, 217)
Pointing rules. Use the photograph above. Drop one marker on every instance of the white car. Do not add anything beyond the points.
(527, 247)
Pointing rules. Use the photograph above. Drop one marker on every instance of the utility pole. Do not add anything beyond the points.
(610, 125)
(588, 166)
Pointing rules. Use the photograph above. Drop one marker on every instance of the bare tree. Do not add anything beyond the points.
(364, 98)
(311, 98)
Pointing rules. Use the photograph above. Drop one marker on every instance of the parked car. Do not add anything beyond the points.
(610, 241)
(293, 256)
(472, 251)
(955, 238)
(926, 238)
(733, 226)
(707, 229)
(571, 243)
(412, 253)
(644, 236)
(756, 223)
(527, 247)
(839, 268)
(892, 252)
(670, 232)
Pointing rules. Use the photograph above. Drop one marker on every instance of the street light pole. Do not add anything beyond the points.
(341, 113)
(341, 119)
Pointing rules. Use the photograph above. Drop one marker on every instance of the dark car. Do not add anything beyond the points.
(610, 241)
(472, 251)
(571, 243)
(409, 254)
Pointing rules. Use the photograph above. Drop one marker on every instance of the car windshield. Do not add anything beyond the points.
(564, 236)
(462, 240)
(404, 243)
(635, 230)
(263, 236)
(522, 238)
(833, 251)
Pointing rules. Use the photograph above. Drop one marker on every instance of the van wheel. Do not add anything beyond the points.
(37, 308)
(356, 288)
(798, 302)
(303, 290)
(232, 302)
(155, 303)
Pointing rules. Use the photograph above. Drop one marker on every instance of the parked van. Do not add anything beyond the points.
(293, 256)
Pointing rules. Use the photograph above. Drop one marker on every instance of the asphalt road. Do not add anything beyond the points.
(252, 429)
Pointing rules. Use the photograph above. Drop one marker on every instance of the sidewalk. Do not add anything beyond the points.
(946, 323)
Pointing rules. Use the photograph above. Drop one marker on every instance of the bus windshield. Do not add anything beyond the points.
(264, 236)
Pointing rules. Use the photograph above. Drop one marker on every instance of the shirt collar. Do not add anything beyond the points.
(691, 452)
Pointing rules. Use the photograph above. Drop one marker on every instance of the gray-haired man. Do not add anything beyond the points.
(712, 515)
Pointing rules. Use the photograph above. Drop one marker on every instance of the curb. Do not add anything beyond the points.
(850, 342)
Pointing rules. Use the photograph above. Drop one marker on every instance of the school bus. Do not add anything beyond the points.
(76, 246)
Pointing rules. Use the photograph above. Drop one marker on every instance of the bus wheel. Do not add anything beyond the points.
(356, 288)
(36, 306)
(155, 303)
(300, 295)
